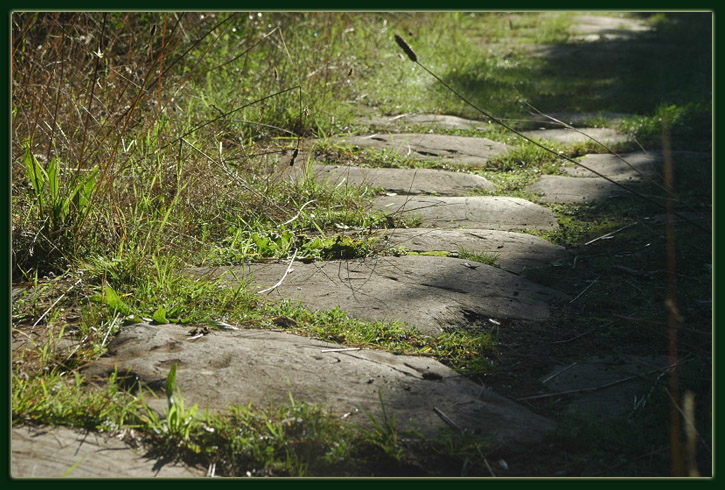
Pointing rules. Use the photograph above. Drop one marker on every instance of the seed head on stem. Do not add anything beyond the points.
(406, 48)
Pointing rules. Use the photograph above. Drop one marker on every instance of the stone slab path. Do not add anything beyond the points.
(455, 150)
(55, 452)
(431, 293)
(606, 136)
(560, 189)
(431, 120)
(398, 180)
(584, 186)
(489, 212)
(628, 169)
(632, 166)
(261, 366)
(513, 252)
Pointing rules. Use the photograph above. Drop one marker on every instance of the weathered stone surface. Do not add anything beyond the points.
(640, 165)
(261, 366)
(54, 452)
(636, 166)
(482, 212)
(579, 119)
(563, 135)
(428, 292)
(434, 120)
(560, 189)
(513, 252)
(450, 149)
(403, 180)
(631, 380)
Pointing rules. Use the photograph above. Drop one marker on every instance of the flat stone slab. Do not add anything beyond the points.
(455, 150)
(434, 120)
(55, 452)
(632, 379)
(481, 212)
(432, 293)
(402, 180)
(631, 166)
(604, 135)
(579, 119)
(513, 252)
(561, 189)
(637, 167)
(226, 368)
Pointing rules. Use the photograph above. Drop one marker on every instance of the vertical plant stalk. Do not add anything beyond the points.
(57, 98)
(414, 58)
(89, 103)
(161, 61)
(673, 316)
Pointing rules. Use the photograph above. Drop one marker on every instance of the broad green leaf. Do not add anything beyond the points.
(53, 181)
(160, 315)
(171, 385)
(35, 172)
(113, 300)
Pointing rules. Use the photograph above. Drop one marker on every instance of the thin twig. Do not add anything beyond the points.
(595, 388)
(585, 289)
(279, 283)
(610, 234)
(450, 423)
(574, 338)
(559, 372)
(54, 303)
(298, 212)
(110, 327)
(341, 350)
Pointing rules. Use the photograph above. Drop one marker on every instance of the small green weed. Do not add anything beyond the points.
(482, 257)
(178, 423)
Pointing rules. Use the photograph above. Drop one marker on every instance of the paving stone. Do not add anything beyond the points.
(54, 452)
(403, 180)
(513, 252)
(604, 135)
(432, 293)
(434, 120)
(455, 150)
(481, 212)
(560, 189)
(226, 368)
(637, 166)
(579, 119)
(635, 378)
